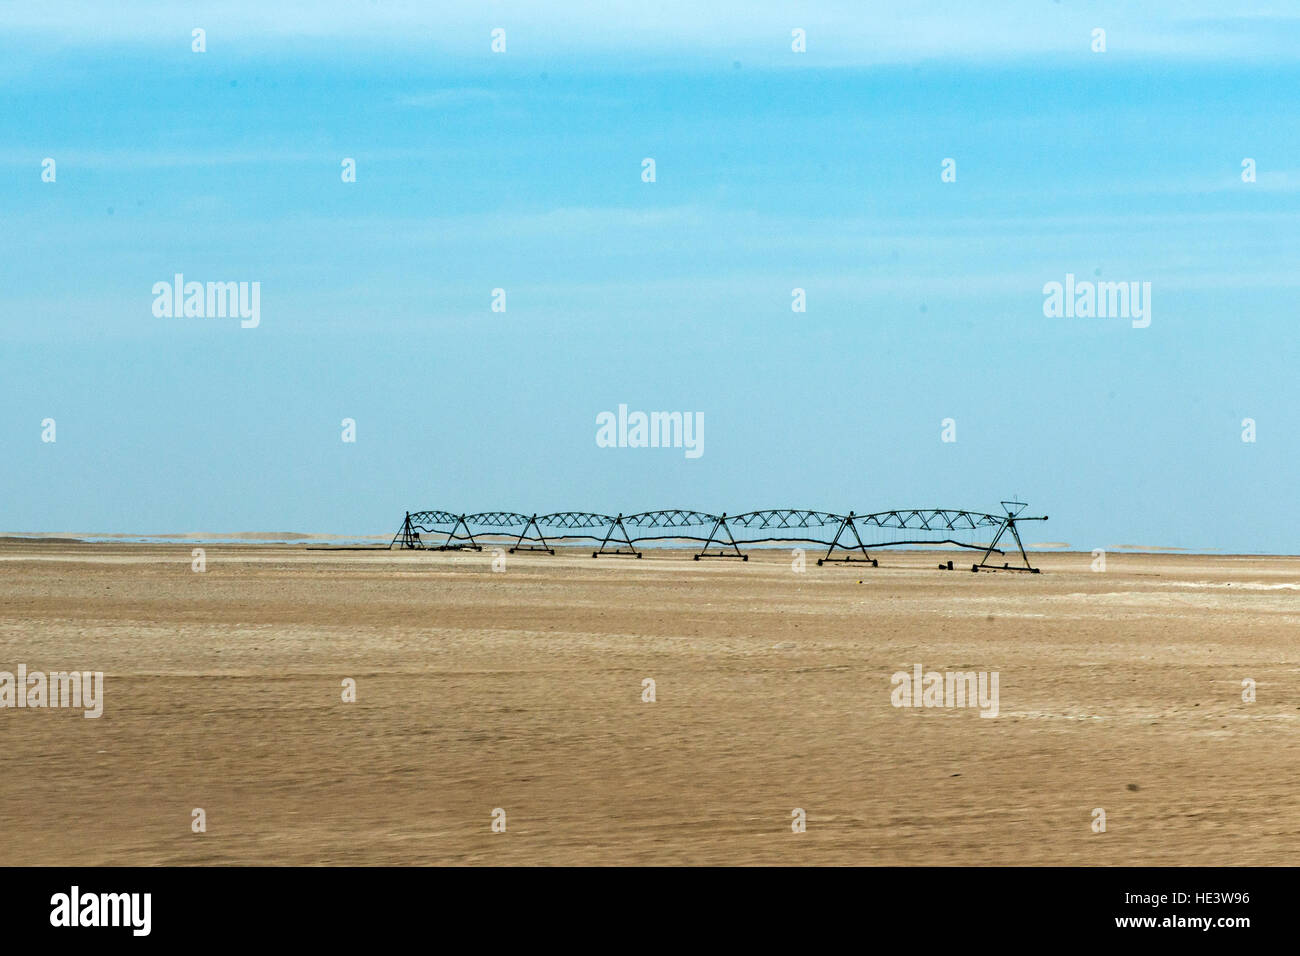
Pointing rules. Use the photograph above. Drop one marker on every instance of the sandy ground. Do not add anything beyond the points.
(523, 690)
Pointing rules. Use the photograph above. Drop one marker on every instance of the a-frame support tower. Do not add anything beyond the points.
(849, 551)
(631, 548)
(409, 537)
(735, 552)
(520, 546)
(1013, 509)
(460, 545)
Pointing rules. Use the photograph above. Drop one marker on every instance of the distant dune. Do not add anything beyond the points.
(1153, 548)
(270, 537)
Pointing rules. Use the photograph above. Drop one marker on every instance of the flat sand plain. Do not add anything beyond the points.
(522, 690)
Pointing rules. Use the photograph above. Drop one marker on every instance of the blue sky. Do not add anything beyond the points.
(775, 170)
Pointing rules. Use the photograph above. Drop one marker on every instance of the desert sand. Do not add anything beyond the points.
(522, 690)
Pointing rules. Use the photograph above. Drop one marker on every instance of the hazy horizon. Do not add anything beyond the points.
(290, 538)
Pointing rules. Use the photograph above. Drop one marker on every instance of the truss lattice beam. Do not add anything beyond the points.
(619, 534)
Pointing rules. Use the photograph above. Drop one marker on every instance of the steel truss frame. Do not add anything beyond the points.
(780, 525)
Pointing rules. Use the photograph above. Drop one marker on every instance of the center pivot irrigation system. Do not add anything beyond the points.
(620, 534)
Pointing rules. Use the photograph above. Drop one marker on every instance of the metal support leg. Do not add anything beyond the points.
(849, 523)
(721, 524)
(631, 551)
(519, 545)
